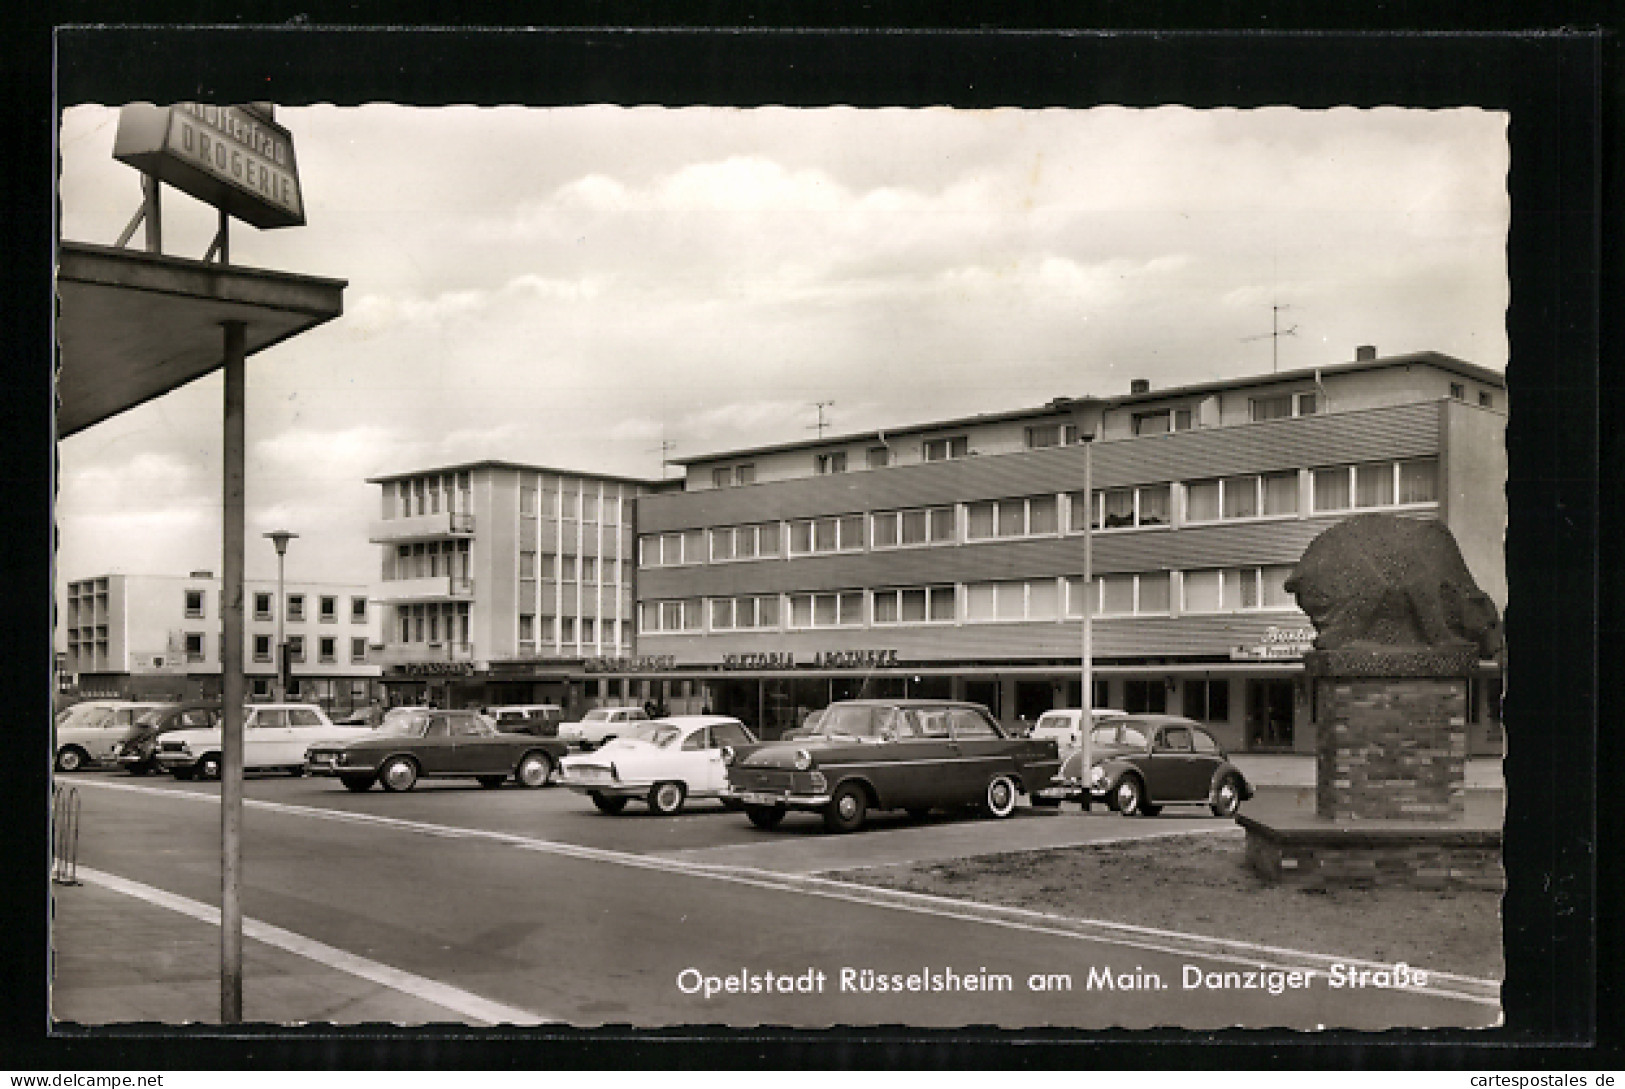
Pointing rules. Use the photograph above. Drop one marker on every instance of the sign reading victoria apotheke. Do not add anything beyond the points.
(233, 157)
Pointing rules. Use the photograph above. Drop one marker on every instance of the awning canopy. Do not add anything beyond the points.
(133, 325)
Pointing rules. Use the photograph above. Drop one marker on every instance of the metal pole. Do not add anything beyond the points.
(151, 188)
(1086, 719)
(232, 683)
(281, 644)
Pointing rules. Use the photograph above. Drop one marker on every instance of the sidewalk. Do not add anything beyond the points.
(1298, 770)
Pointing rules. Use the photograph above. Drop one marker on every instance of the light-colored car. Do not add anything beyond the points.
(275, 737)
(601, 724)
(541, 719)
(664, 762)
(91, 732)
(1062, 726)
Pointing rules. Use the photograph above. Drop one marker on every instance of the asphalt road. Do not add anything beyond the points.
(534, 900)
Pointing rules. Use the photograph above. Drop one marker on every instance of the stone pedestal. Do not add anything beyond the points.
(1390, 777)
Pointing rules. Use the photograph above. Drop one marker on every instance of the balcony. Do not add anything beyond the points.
(393, 654)
(433, 588)
(421, 527)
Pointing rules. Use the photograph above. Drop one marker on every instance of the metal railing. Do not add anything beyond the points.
(65, 835)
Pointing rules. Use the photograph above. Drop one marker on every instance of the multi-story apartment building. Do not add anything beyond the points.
(945, 559)
(160, 637)
(499, 579)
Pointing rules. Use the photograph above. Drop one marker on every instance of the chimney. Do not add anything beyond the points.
(1365, 352)
(1139, 385)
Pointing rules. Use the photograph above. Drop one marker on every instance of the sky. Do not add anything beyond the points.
(576, 287)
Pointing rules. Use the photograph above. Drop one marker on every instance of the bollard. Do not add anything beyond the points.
(65, 835)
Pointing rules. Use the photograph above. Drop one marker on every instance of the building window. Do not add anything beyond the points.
(587, 630)
(527, 500)
(1145, 696)
(915, 605)
(1458, 391)
(745, 542)
(1034, 599)
(946, 449)
(1040, 436)
(1239, 497)
(262, 648)
(669, 617)
(358, 650)
(843, 533)
(877, 457)
(567, 629)
(1283, 405)
(740, 613)
(1234, 589)
(296, 648)
(329, 606)
(589, 569)
(911, 528)
(527, 564)
(567, 568)
(744, 474)
(262, 606)
(358, 610)
(327, 649)
(194, 646)
(527, 628)
(589, 506)
(721, 478)
(1123, 508)
(1485, 400)
(296, 606)
(1379, 484)
(1122, 595)
(825, 464)
(1162, 421)
(1030, 517)
(1207, 699)
(842, 609)
(194, 604)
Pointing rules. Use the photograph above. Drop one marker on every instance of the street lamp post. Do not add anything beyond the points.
(280, 538)
(1085, 412)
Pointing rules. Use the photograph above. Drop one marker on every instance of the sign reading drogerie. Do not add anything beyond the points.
(232, 157)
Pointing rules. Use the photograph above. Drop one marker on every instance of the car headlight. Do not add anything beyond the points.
(728, 755)
(803, 759)
(1097, 775)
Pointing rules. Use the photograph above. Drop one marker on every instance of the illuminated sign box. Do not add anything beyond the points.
(232, 157)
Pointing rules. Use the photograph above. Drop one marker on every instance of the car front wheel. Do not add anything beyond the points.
(846, 809)
(1227, 799)
(666, 798)
(70, 759)
(1130, 797)
(1000, 800)
(534, 770)
(398, 774)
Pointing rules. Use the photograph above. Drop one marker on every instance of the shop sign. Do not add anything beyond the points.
(648, 663)
(1279, 643)
(436, 669)
(774, 660)
(854, 659)
(232, 157)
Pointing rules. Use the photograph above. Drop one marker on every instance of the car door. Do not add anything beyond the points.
(1174, 771)
(307, 727)
(265, 737)
(981, 751)
(435, 750)
(722, 733)
(1205, 760)
(698, 762)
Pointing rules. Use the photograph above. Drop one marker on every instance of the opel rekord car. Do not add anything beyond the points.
(1141, 763)
(601, 724)
(91, 732)
(663, 763)
(914, 755)
(275, 737)
(422, 743)
(138, 754)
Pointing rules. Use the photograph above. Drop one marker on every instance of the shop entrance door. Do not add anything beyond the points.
(1269, 714)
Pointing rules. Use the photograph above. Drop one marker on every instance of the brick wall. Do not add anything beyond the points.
(1390, 748)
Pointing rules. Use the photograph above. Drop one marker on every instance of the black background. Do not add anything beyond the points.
(1551, 68)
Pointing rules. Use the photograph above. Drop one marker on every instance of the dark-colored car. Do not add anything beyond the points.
(424, 743)
(1157, 760)
(915, 755)
(139, 752)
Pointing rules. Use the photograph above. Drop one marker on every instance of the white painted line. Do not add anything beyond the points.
(455, 999)
(1484, 992)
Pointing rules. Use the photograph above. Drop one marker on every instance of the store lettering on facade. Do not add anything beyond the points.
(421, 669)
(1279, 643)
(648, 663)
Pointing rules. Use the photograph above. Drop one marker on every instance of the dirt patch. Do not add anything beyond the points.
(1200, 884)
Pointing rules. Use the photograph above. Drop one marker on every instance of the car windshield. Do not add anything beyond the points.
(598, 714)
(857, 721)
(151, 718)
(657, 733)
(1052, 720)
(404, 722)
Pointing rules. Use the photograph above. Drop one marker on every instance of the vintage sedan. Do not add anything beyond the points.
(422, 743)
(1157, 760)
(914, 755)
(275, 737)
(138, 753)
(91, 732)
(601, 725)
(663, 763)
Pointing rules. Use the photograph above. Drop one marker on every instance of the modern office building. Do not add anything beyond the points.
(500, 580)
(946, 559)
(160, 637)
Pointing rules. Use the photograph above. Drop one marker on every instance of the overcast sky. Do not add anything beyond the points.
(570, 287)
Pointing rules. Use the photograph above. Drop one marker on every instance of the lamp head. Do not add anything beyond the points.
(280, 538)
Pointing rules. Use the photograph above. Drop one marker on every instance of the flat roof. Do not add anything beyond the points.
(132, 325)
(489, 463)
(1434, 359)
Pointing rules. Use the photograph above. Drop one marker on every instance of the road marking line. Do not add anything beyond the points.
(1484, 992)
(452, 998)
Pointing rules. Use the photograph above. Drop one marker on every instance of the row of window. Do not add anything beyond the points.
(549, 630)
(1331, 489)
(432, 622)
(570, 568)
(570, 505)
(1210, 590)
(427, 495)
(327, 607)
(327, 648)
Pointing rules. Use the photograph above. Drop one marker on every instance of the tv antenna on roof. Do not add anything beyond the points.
(1275, 334)
(821, 424)
(665, 448)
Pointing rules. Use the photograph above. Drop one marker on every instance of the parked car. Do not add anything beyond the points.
(664, 763)
(420, 743)
(138, 754)
(601, 724)
(1063, 726)
(275, 737)
(1144, 762)
(91, 732)
(914, 755)
(541, 719)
